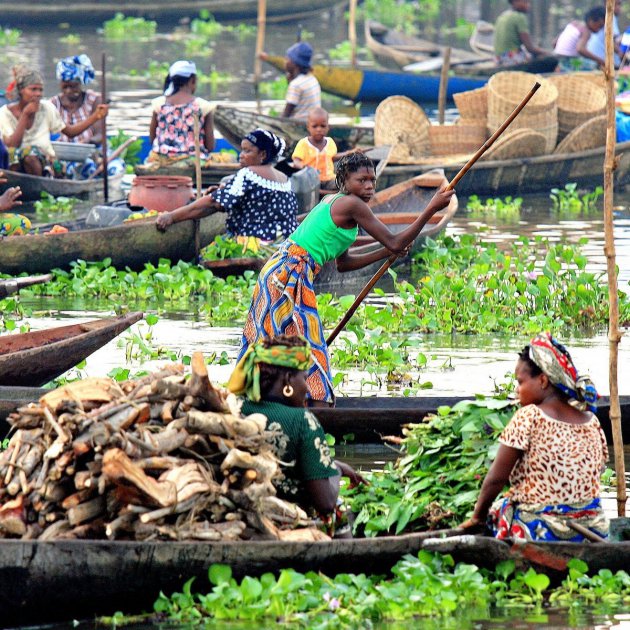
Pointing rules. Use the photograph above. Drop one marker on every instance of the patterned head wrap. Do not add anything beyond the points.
(555, 361)
(23, 76)
(264, 140)
(182, 68)
(246, 376)
(77, 68)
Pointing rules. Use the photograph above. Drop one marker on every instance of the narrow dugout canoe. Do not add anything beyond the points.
(368, 418)
(234, 124)
(372, 86)
(393, 49)
(32, 186)
(520, 176)
(397, 206)
(62, 580)
(42, 582)
(127, 245)
(35, 358)
(42, 11)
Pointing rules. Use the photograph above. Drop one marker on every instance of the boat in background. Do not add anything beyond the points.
(129, 244)
(35, 358)
(372, 86)
(234, 124)
(47, 11)
(519, 176)
(33, 185)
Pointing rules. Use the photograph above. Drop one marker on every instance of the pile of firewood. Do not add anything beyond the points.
(157, 458)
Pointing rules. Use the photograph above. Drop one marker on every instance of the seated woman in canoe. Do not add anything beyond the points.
(27, 124)
(172, 130)
(75, 102)
(284, 300)
(258, 199)
(552, 453)
(272, 377)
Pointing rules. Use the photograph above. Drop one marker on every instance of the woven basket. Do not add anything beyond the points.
(590, 135)
(507, 89)
(473, 105)
(594, 76)
(579, 100)
(520, 143)
(456, 139)
(398, 121)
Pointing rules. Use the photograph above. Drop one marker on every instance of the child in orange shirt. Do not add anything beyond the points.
(318, 150)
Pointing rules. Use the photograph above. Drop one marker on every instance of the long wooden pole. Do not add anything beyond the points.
(446, 66)
(104, 130)
(260, 45)
(388, 263)
(352, 31)
(197, 223)
(614, 334)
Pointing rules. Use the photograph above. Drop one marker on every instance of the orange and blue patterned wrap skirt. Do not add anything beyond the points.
(284, 303)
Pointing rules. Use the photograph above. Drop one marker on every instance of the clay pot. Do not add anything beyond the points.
(160, 192)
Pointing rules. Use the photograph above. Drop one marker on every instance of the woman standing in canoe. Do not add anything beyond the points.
(551, 453)
(284, 301)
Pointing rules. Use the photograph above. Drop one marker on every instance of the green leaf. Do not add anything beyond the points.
(219, 574)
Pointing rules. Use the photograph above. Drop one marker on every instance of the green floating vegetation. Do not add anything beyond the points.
(402, 16)
(568, 200)
(275, 89)
(223, 247)
(49, 205)
(423, 586)
(10, 36)
(121, 28)
(435, 482)
(131, 154)
(506, 208)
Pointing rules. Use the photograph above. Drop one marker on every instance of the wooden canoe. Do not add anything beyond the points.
(54, 581)
(32, 186)
(35, 358)
(128, 245)
(393, 49)
(234, 124)
(522, 175)
(372, 86)
(397, 206)
(45, 11)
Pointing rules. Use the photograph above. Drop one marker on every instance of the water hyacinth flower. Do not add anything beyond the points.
(333, 602)
(531, 275)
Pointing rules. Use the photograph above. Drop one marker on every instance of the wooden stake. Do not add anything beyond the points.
(614, 334)
(388, 263)
(197, 222)
(446, 66)
(260, 45)
(352, 31)
(104, 131)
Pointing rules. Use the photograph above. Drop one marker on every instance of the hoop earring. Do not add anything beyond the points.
(287, 391)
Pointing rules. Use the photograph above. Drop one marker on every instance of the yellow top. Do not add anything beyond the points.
(322, 160)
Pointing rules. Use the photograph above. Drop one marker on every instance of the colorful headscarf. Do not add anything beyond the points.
(246, 376)
(181, 68)
(268, 142)
(555, 361)
(77, 68)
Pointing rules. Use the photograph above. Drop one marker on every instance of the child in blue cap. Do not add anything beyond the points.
(304, 91)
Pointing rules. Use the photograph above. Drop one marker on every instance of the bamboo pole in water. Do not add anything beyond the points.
(614, 334)
(104, 130)
(260, 45)
(446, 66)
(197, 222)
(352, 31)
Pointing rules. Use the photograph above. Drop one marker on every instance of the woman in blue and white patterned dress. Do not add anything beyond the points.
(259, 200)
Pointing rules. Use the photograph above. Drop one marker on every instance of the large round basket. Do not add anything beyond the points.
(594, 76)
(507, 89)
(579, 100)
(473, 104)
(401, 123)
(456, 139)
(520, 143)
(589, 135)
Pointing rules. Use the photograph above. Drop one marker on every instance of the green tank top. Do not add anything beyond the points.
(319, 235)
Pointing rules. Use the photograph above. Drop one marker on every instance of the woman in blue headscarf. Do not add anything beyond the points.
(258, 200)
(75, 102)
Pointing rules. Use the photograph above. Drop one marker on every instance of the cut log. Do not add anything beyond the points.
(200, 386)
(93, 389)
(86, 511)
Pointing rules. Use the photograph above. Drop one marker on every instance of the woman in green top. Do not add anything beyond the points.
(272, 377)
(284, 301)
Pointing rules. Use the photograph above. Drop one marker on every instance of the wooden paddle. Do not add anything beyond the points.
(104, 132)
(388, 263)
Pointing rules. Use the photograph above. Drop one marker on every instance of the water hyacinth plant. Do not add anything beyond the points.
(121, 28)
